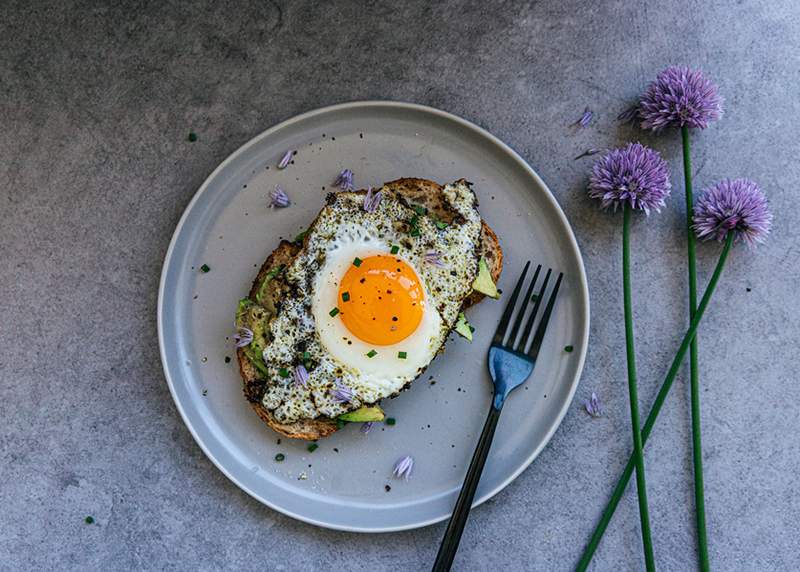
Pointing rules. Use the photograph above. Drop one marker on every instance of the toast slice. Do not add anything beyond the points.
(268, 293)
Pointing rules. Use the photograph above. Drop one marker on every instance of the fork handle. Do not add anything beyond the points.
(452, 536)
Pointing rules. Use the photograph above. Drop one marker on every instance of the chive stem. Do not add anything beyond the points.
(638, 455)
(694, 373)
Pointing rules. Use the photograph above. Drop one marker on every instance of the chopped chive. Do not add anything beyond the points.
(345, 296)
(300, 237)
(402, 355)
(280, 457)
(420, 210)
(88, 520)
(472, 328)
(312, 447)
(414, 220)
(371, 353)
(414, 232)
(395, 249)
(333, 312)
(283, 372)
(192, 137)
(306, 355)
(534, 297)
(441, 225)
(357, 262)
(391, 421)
(205, 268)
(568, 349)
(340, 423)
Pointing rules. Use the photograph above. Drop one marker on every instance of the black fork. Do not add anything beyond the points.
(512, 358)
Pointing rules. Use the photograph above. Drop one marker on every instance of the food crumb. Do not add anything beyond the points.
(280, 457)
(205, 268)
(387, 488)
(279, 441)
(192, 137)
(302, 477)
(205, 392)
(204, 359)
(335, 450)
(227, 359)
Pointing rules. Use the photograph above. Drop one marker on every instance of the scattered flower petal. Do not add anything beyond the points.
(434, 258)
(243, 337)
(366, 427)
(633, 174)
(680, 96)
(344, 180)
(403, 467)
(587, 153)
(285, 160)
(371, 200)
(630, 115)
(593, 406)
(341, 393)
(737, 205)
(585, 119)
(278, 198)
(300, 375)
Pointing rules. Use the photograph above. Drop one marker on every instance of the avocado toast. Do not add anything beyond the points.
(272, 288)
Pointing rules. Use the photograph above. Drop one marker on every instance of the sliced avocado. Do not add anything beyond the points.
(262, 289)
(363, 414)
(252, 316)
(483, 282)
(463, 327)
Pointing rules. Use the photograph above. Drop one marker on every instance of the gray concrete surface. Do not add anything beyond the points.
(95, 169)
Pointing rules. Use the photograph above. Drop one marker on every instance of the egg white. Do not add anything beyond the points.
(385, 372)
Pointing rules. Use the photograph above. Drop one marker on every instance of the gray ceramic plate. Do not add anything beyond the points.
(342, 484)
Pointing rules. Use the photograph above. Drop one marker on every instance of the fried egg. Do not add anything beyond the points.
(373, 296)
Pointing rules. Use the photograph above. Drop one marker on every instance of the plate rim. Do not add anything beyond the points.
(389, 104)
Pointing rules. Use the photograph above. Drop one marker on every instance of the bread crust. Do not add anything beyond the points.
(420, 191)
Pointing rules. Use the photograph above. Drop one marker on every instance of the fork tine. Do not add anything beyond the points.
(539, 336)
(522, 308)
(503, 325)
(529, 326)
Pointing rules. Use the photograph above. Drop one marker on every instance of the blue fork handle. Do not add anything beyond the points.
(452, 536)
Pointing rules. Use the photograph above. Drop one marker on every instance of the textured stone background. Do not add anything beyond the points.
(95, 169)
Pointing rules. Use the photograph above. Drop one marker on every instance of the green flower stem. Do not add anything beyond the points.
(694, 375)
(591, 547)
(638, 456)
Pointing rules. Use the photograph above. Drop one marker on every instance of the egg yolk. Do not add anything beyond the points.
(381, 300)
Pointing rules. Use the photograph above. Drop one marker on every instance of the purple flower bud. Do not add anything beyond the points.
(593, 406)
(366, 427)
(278, 198)
(300, 376)
(434, 258)
(680, 96)
(243, 337)
(371, 200)
(403, 467)
(585, 119)
(344, 180)
(737, 206)
(341, 393)
(285, 160)
(633, 174)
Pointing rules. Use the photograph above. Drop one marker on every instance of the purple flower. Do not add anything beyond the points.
(434, 258)
(278, 198)
(402, 469)
(341, 393)
(371, 200)
(633, 174)
(366, 427)
(585, 119)
(285, 160)
(243, 337)
(593, 406)
(587, 153)
(300, 376)
(344, 180)
(680, 96)
(737, 206)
